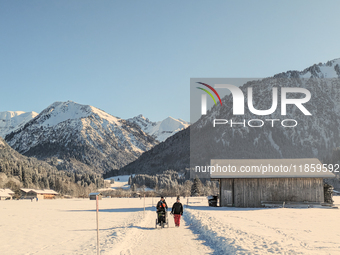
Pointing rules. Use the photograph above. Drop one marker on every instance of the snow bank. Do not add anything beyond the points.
(205, 230)
(266, 231)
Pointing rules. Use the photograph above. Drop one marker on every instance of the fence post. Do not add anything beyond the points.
(144, 206)
(97, 210)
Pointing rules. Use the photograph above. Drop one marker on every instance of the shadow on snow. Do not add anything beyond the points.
(150, 208)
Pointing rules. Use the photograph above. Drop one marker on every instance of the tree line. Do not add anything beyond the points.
(170, 184)
(18, 171)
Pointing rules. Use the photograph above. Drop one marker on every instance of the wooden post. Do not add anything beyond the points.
(144, 206)
(97, 210)
(187, 201)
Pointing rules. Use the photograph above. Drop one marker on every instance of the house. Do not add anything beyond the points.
(253, 182)
(40, 194)
(94, 194)
(6, 194)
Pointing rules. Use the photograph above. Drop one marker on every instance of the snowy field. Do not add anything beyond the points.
(121, 181)
(69, 227)
(267, 230)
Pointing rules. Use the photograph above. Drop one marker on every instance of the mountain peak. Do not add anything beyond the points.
(81, 136)
(315, 138)
(12, 120)
(160, 130)
(330, 69)
(62, 111)
(170, 118)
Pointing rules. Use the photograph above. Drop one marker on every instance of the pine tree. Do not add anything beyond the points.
(197, 187)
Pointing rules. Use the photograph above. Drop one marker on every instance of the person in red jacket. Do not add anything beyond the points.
(177, 211)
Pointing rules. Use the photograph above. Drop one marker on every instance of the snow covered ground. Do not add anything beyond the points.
(121, 181)
(69, 227)
(267, 231)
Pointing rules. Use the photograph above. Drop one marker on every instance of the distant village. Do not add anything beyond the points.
(33, 194)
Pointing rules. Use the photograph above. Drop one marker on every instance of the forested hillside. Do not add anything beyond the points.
(18, 171)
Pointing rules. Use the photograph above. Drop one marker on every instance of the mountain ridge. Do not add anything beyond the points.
(82, 135)
(160, 130)
(315, 138)
(12, 120)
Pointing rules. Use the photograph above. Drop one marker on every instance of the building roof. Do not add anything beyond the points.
(9, 191)
(95, 193)
(46, 191)
(39, 191)
(26, 190)
(268, 168)
(6, 193)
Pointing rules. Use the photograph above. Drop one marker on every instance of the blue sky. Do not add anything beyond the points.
(132, 57)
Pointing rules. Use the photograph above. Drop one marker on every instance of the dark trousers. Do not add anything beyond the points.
(161, 216)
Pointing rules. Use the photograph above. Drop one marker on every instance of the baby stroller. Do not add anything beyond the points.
(162, 219)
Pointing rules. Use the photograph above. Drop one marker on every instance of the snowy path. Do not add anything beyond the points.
(148, 240)
(145, 239)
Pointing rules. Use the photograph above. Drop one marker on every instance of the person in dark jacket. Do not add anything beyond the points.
(161, 205)
(161, 209)
(177, 211)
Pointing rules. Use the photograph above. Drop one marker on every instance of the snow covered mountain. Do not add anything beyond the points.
(160, 130)
(10, 121)
(315, 136)
(331, 69)
(80, 138)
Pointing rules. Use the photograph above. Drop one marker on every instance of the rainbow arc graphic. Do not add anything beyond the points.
(209, 93)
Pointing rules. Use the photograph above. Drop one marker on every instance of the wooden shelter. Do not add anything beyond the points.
(94, 194)
(253, 182)
(36, 193)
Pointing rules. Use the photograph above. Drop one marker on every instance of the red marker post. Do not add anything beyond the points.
(144, 206)
(97, 210)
